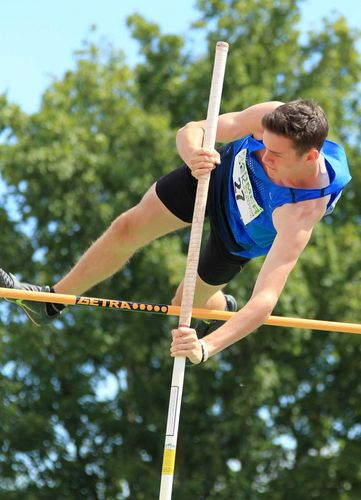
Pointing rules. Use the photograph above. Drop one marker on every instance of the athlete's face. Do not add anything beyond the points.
(280, 158)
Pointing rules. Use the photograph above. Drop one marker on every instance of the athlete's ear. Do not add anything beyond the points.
(312, 154)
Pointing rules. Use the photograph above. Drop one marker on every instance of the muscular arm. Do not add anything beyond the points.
(231, 126)
(294, 225)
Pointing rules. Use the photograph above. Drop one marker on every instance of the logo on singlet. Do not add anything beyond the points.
(243, 192)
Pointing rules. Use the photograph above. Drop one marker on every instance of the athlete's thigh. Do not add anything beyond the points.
(168, 205)
(206, 295)
(150, 219)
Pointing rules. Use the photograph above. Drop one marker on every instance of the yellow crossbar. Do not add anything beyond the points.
(125, 305)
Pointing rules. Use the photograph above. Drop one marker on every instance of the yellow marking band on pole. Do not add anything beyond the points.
(168, 461)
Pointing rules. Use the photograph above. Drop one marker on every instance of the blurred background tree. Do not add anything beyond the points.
(84, 402)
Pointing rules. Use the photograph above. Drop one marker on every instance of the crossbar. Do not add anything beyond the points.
(169, 310)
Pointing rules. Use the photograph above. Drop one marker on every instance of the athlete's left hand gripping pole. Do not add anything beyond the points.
(189, 282)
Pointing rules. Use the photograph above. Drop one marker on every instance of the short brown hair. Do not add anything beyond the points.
(303, 121)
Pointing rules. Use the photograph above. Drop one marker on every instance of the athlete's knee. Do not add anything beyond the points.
(124, 229)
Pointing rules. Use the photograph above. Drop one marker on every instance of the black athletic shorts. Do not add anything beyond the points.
(177, 191)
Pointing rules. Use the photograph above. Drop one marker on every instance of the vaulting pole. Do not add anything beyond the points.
(189, 281)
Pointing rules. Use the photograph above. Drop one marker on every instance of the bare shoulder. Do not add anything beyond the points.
(302, 215)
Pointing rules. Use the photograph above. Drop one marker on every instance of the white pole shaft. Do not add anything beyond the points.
(191, 274)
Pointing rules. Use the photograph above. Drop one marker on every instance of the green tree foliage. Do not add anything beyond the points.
(84, 402)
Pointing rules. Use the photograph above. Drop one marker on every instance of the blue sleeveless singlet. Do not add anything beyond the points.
(244, 197)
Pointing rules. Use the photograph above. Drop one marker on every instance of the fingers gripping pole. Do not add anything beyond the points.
(191, 274)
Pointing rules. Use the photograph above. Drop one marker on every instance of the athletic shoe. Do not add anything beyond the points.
(37, 312)
(205, 327)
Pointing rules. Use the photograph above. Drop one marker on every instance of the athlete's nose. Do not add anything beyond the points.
(267, 156)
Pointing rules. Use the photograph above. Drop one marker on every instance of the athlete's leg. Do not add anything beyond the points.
(208, 296)
(166, 207)
(216, 268)
(132, 230)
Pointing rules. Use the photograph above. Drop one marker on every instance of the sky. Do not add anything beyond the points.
(39, 37)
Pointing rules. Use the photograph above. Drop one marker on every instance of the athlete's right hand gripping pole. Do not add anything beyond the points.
(191, 274)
